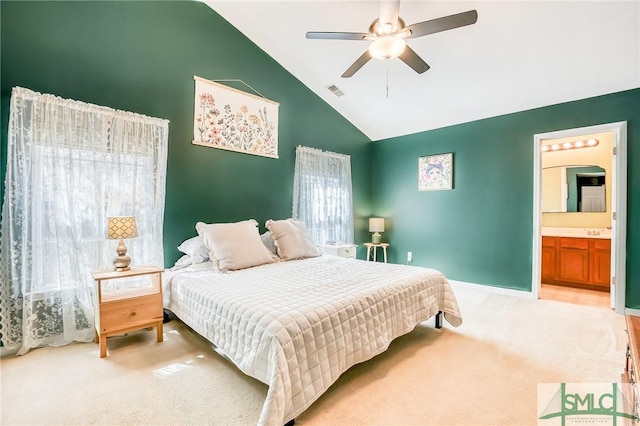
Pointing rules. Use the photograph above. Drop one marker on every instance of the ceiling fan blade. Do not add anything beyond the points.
(442, 24)
(411, 58)
(389, 11)
(336, 35)
(363, 59)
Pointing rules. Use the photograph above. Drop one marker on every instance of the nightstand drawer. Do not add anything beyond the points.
(127, 313)
(339, 250)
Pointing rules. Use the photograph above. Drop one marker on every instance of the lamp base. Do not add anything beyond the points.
(122, 261)
(122, 269)
(376, 238)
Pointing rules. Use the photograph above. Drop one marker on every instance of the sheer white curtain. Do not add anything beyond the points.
(70, 165)
(322, 195)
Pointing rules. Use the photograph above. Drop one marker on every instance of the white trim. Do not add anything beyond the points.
(536, 256)
(619, 205)
(620, 224)
(493, 289)
(631, 311)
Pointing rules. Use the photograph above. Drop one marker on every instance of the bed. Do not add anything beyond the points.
(298, 324)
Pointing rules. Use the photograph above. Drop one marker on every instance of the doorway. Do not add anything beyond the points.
(575, 295)
(617, 211)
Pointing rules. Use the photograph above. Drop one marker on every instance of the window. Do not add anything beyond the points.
(70, 165)
(322, 195)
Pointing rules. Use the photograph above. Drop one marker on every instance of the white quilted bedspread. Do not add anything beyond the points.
(298, 325)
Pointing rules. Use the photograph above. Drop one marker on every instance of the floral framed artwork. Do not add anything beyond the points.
(435, 172)
(230, 119)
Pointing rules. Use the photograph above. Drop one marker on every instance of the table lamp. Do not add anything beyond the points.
(376, 225)
(121, 227)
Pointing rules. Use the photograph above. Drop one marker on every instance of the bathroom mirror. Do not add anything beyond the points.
(579, 188)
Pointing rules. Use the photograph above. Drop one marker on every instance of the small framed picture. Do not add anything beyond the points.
(435, 172)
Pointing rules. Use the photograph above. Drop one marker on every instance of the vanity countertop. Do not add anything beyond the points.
(601, 233)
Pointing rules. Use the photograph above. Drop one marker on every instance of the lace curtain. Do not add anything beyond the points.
(322, 195)
(70, 165)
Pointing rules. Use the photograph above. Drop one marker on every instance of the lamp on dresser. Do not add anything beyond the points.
(376, 225)
(119, 228)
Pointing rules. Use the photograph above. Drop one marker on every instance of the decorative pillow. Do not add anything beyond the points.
(268, 242)
(292, 239)
(234, 245)
(183, 262)
(195, 248)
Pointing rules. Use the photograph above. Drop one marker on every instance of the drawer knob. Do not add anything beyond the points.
(133, 314)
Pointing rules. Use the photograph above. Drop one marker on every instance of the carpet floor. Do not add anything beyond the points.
(485, 372)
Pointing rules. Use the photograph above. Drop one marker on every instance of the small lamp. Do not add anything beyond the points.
(121, 227)
(376, 225)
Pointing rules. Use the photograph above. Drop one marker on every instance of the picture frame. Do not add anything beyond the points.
(233, 120)
(435, 172)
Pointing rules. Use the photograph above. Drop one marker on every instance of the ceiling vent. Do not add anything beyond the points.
(335, 90)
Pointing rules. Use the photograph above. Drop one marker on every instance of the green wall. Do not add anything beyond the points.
(481, 231)
(141, 57)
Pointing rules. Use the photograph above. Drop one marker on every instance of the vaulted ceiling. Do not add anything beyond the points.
(519, 55)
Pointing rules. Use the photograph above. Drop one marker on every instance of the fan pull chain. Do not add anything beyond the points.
(387, 81)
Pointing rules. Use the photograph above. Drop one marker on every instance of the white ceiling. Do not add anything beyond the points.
(519, 55)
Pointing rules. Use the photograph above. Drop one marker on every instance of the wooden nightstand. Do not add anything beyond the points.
(631, 392)
(126, 309)
(342, 250)
(375, 250)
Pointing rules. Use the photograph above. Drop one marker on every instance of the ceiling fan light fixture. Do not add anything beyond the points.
(387, 47)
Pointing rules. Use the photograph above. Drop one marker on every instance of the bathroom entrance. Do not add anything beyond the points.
(580, 215)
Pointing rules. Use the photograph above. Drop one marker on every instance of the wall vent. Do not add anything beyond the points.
(335, 90)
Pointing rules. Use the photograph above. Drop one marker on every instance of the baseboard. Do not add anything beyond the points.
(632, 311)
(494, 289)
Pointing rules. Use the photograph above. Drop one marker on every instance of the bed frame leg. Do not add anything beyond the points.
(439, 316)
(290, 422)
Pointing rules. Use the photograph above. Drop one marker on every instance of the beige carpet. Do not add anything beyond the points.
(485, 372)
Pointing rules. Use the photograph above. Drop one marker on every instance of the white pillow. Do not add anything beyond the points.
(292, 239)
(183, 262)
(195, 248)
(234, 245)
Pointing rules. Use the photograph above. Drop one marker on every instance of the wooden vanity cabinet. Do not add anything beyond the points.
(577, 262)
(600, 262)
(573, 260)
(548, 259)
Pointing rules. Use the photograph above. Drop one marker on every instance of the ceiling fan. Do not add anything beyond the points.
(388, 33)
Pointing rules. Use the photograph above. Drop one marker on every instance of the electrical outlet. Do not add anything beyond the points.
(409, 256)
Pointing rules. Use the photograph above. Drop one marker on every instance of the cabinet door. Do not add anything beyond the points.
(600, 262)
(548, 259)
(573, 262)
